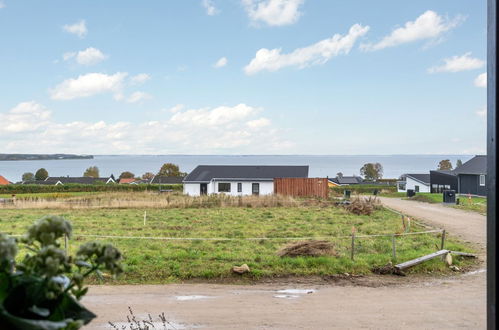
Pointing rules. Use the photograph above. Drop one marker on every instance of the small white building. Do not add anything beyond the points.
(416, 182)
(238, 180)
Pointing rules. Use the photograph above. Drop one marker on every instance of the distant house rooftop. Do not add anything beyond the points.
(78, 180)
(423, 178)
(160, 179)
(3, 181)
(126, 180)
(206, 173)
(476, 165)
(347, 180)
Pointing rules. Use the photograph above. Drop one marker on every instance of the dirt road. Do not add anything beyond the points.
(447, 303)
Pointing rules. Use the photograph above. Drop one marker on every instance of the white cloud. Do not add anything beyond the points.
(140, 78)
(429, 26)
(458, 63)
(258, 123)
(213, 117)
(318, 53)
(25, 117)
(78, 28)
(29, 128)
(176, 108)
(88, 56)
(210, 8)
(481, 80)
(137, 97)
(2, 4)
(482, 112)
(88, 85)
(221, 62)
(273, 12)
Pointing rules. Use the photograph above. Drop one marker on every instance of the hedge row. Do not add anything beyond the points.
(37, 188)
(363, 189)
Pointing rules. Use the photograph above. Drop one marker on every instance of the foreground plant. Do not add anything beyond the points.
(43, 290)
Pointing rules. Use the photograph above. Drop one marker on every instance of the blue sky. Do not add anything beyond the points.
(243, 77)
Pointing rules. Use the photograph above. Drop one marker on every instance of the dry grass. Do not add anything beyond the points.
(308, 249)
(152, 200)
(363, 206)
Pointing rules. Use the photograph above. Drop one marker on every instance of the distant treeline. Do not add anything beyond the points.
(43, 156)
(38, 188)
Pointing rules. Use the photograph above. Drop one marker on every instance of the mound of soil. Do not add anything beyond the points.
(308, 249)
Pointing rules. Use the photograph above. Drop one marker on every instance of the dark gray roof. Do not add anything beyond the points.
(158, 179)
(447, 172)
(205, 173)
(476, 165)
(79, 180)
(347, 180)
(424, 178)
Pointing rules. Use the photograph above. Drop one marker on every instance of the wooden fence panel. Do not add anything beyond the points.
(301, 187)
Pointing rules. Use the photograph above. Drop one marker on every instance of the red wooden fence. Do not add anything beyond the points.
(301, 187)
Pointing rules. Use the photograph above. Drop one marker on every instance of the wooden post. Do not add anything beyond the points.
(353, 243)
(66, 245)
(145, 217)
(394, 251)
(443, 240)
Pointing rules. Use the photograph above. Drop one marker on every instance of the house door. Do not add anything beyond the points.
(255, 188)
(203, 188)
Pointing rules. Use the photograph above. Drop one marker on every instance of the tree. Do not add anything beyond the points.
(459, 163)
(41, 174)
(170, 169)
(148, 176)
(372, 171)
(92, 172)
(126, 175)
(28, 176)
(445, 165)
(339, 175)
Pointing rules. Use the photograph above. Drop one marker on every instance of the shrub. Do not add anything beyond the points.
(43, 290)
(38, 188)
(363, 206)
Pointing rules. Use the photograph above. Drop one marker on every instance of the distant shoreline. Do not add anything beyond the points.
(16, 157)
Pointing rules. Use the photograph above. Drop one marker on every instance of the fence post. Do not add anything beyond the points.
(443, 240)
(353, 243)
(66, 243)
(145, 217)
(394, 251)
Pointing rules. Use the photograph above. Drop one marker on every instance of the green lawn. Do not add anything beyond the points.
(161, 261)
(476, 204)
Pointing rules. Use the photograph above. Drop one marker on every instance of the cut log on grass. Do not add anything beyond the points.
(422, 259)
(241, 269)
(308, 249)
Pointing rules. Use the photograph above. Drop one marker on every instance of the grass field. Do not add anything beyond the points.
(475, 204)
(163, 261)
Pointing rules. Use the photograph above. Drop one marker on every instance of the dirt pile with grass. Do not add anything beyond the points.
(308, 249)
(363, 206)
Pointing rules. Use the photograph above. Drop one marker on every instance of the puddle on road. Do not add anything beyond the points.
(296, 291)
(475, 272)
(194, 297)
(286, 296)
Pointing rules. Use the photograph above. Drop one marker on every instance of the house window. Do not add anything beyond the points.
(239, 187)
(402, 186)
(482, 180)
(416, 188)
(223, 187)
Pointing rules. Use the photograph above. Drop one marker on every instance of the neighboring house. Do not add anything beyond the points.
(127, 181)
(159, 179)
(238, 180)
(441, 180)
(416, 182)
(345, 181)
(471, 176)
(72, 180)
(3, 181)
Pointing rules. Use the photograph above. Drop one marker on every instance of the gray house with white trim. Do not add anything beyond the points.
(471, 176)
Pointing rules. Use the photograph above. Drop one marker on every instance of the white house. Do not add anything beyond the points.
(416, 182)
(238, 180)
